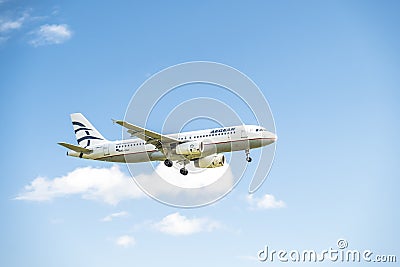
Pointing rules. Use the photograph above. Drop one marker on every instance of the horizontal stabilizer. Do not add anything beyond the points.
(76, 148)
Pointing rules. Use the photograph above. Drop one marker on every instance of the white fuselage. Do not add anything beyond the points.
(217, 140)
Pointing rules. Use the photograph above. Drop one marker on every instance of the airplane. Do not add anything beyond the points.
(205, 147)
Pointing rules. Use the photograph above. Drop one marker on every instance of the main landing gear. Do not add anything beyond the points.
(168, 163)
(184, 171)
(248, 158)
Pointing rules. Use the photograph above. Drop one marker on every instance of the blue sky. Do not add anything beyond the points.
(330, 71)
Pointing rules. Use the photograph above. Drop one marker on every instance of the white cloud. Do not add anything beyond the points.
(125, 241)
(176, 224)
(266, 202)
(169, 186)
(109, 185)
(10, 25)
(51, 34)
(110, 217)
(7, 25)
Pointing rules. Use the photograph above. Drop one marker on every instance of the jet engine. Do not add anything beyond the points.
(212, 161)
(190, 149)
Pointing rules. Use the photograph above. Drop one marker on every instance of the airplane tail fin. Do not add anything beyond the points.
(86, 134)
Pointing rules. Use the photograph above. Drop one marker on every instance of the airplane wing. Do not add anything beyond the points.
(149, 136)
(76, 148)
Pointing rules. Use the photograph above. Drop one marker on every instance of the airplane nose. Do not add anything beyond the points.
(269, 138)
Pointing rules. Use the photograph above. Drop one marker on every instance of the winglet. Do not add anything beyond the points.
(119, 122)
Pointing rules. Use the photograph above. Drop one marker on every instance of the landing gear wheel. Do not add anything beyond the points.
(184, 171)
(248, 155)
(168, 163)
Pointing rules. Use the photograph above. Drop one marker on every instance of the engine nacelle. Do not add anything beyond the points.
(213, 161)
(190, 149)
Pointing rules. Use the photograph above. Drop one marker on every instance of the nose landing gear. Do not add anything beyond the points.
(248, 158)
